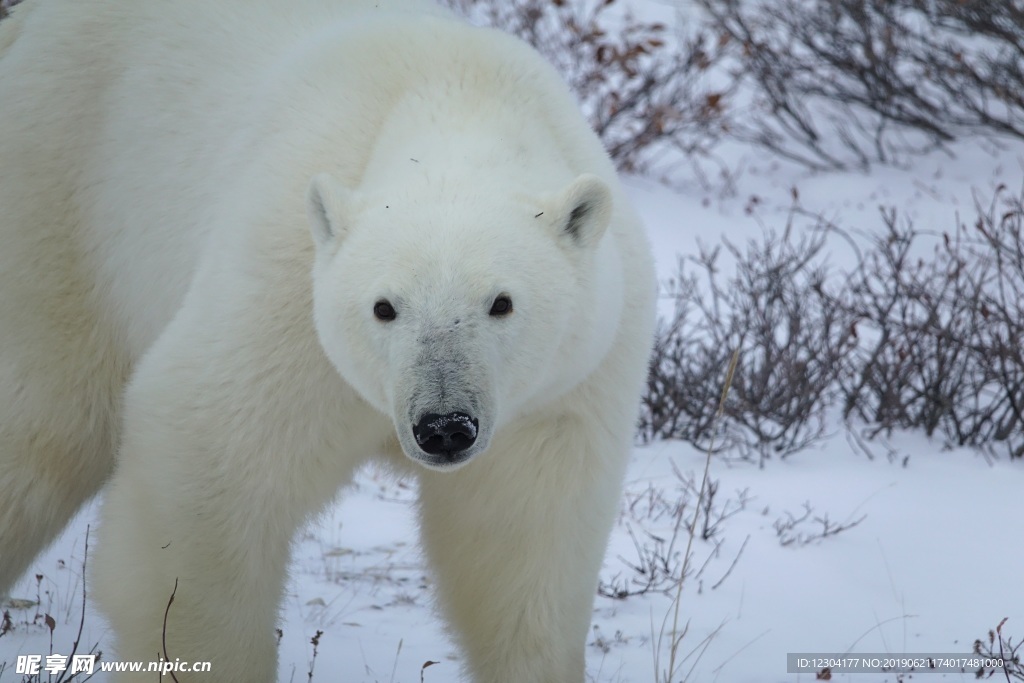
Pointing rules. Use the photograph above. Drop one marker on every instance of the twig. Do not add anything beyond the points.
(163, 634)
(734, 561)
(81, 620)
(676, 639)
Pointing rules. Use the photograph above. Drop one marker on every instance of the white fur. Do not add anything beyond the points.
(200, 204)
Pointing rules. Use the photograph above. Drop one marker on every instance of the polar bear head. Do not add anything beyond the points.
(458, 310)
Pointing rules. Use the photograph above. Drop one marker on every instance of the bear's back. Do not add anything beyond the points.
(161, 126)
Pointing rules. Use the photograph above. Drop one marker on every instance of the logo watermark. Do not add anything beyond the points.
(34, 665)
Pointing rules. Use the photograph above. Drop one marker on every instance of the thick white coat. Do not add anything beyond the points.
(200, 204)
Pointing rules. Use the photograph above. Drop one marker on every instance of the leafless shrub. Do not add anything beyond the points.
(792, 339)
(926, 332)
(997, 645)
(808, 527)
(942, 330)
(659, 563)
(315, 642)
(646, 91)
(656, 568)
(605, 643)
(64, 673)
(842, 83)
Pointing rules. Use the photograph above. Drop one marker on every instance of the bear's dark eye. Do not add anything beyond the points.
(383, 310)
(502, 305)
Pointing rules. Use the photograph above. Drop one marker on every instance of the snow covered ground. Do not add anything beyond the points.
(931, 560)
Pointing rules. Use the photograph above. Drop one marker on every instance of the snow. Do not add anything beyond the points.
(930, 561)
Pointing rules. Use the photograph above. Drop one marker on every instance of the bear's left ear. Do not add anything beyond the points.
(584, 209)
(328, 209)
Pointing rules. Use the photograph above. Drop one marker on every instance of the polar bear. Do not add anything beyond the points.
(248, 245)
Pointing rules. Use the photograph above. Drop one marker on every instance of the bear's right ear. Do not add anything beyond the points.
(327, 206)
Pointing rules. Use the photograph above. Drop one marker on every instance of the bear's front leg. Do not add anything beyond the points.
(231, 440)
(516, 540)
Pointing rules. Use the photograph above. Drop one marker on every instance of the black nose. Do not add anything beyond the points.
(445, 434)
